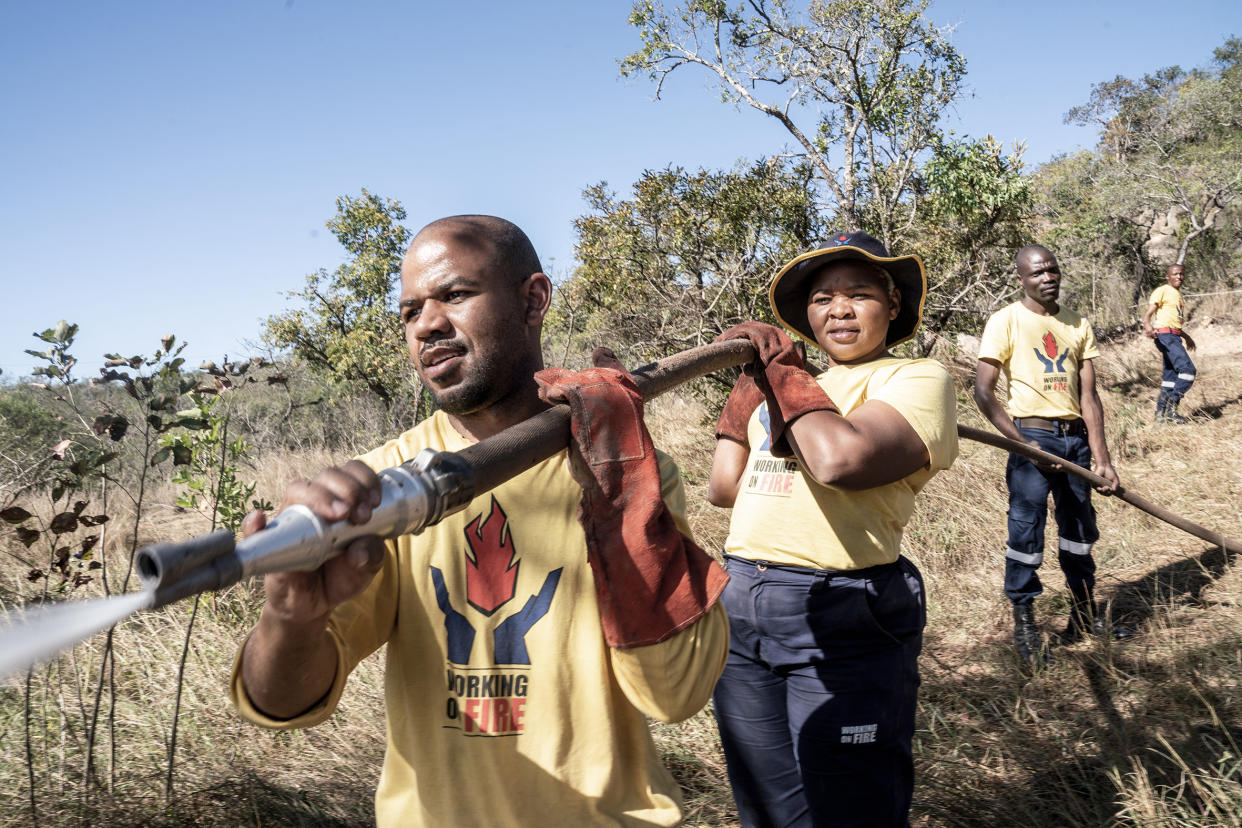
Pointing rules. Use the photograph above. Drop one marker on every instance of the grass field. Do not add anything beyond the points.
(1144, 732)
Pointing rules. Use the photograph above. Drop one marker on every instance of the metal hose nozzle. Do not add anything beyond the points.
(415, 495)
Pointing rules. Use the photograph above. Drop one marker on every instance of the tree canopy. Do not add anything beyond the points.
(860, 85)
(1170, 148)
(685, 256)
(348, 328)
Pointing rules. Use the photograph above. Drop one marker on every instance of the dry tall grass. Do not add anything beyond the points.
(1140, 733)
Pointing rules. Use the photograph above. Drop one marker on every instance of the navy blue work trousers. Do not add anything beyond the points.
(1029, 487)
(1179, 371)
(816, 704)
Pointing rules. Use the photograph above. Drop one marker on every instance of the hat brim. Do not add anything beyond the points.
(788, 292)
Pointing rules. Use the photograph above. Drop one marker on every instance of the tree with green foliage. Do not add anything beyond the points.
(974, 213)
(1171, 147)
(206, 460)
(1102, 251)
(109, 444)
(28, 433)
(348, 328)
(860, 85)
(688, 255)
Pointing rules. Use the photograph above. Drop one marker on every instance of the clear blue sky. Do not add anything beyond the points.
(168, 166)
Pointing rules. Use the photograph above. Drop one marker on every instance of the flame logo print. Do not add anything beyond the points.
(491, 573)
(1050, 348)
(1050, 345)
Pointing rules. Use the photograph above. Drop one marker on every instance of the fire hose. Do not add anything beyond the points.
(415, 495)
(423, 491)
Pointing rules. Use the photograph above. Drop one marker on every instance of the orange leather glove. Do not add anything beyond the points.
(781, 375)
(734, 419)
(651, 581)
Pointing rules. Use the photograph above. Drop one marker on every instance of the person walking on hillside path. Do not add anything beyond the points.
(1046, 353)
(529, 635)
(1163, 323)
(816, 705)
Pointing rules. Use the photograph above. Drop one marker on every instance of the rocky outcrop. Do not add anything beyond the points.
(1162, 245)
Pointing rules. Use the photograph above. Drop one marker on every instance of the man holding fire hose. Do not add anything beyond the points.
(529, 634)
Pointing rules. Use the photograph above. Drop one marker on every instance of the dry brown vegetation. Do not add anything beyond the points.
(1140, 733)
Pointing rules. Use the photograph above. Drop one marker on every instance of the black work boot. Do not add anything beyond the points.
(1085, 617)
(1026, 637)
(1171, 415)
(1162, 409)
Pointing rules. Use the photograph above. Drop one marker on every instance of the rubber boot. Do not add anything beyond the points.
(1162, 408)
(1086, 618)
(1026, 637)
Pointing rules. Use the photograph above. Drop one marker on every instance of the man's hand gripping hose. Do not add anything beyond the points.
(416, 495)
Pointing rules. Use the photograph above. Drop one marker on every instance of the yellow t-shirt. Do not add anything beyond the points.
(505, 707)
(1039, 357)
(1169, 307)
(783, 515)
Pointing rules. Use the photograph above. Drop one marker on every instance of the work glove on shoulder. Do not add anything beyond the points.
(651, 581)
(780, 375)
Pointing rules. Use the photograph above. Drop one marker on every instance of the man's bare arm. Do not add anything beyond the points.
(1093, 417)
(987, 373)
(289, 661)
(1148, 330)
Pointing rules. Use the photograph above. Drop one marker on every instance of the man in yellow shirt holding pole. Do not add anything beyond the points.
(1045, 352)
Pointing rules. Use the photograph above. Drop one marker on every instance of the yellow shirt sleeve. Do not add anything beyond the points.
(321, 711)
(996, 343)
(672, 680)
(1090, 350)
(922, 392)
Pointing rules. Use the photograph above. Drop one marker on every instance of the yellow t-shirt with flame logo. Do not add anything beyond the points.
(782, 515)
(1039, 358)
(506, 708)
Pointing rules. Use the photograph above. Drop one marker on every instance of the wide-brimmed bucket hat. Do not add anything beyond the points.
(788, 293)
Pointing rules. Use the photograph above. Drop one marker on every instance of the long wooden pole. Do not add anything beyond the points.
(516, 449)
(1122, 493)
